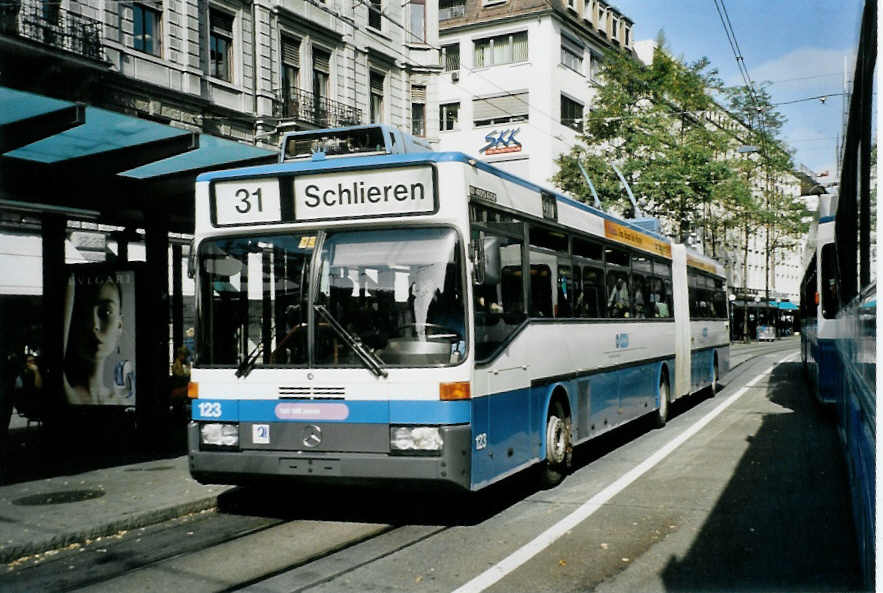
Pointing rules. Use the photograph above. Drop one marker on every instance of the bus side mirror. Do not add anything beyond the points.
(476, 255)
(491, 248)
(485, 256)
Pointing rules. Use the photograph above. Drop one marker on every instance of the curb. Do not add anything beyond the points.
(12, 552)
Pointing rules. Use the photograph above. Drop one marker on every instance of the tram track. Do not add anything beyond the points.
(105, 558)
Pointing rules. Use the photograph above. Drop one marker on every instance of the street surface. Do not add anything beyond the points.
(751, 496)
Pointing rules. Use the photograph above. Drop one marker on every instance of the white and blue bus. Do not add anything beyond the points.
(840, 351)
(427, 318)
(819, 306)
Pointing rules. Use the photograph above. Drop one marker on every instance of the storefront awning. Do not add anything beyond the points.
(69, 155)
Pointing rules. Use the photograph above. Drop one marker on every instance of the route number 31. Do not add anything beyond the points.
(245, 198)
(247, 201)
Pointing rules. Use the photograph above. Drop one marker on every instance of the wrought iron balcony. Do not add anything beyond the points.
(47, 23)
(451, 9)
(318, 111)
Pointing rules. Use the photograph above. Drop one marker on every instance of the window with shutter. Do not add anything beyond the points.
(376, 84)
(502, 49)
(321, 73)
(290, 66)
(571, 55)
(451, 57)
(512, 107)
(571, 113)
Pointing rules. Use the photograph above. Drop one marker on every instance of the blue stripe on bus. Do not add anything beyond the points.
(366, 412)
(508, 428)
(830, 374)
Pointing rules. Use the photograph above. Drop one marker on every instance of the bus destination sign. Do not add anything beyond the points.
(387, 192)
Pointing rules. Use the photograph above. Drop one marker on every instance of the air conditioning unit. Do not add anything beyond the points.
(455, 76)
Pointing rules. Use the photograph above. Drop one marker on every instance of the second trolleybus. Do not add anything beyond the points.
(427, 318)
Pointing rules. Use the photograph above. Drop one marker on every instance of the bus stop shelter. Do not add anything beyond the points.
(766, 320)
(62, 161)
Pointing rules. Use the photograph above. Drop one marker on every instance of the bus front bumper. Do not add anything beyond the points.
(451, 468)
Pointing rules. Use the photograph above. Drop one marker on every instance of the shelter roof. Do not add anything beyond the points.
(69, 157)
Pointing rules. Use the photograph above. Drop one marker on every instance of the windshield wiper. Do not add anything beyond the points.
(371, 361)
(248, 363)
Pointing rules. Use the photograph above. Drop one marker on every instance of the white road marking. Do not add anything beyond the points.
(548, 537)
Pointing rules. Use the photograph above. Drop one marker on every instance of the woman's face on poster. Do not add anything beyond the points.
(100, 324)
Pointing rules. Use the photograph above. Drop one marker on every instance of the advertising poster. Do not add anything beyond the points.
(99, 336)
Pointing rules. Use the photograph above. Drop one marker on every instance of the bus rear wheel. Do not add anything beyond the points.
(712, 389)
(559, 449)
(661, 416)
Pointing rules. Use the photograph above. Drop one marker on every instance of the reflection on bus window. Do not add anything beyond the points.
(640, 295)
(398, 292)
(830, 298)
(592, 297)
(499, 304)
(564, 306)
(540, 289)
(618, 303)
(660, 298)
(258, 289)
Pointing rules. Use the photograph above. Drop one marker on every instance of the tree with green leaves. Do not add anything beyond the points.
(648, 121)
(782, 218)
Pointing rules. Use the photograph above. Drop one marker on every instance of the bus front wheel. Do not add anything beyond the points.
(559, 449)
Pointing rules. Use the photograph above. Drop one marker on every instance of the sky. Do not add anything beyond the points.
(797, 45)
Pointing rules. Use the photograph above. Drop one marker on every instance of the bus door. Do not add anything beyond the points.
(500, 426)
(681, 385)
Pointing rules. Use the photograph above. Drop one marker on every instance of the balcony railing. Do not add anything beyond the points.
(318, 111)
(47, 23)
(451, 9)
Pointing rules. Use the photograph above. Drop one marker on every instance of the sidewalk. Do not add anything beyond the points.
(53, 512)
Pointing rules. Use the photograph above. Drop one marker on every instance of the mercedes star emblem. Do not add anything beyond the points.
(312, 436)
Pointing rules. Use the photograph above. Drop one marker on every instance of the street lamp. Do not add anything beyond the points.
(732, 305)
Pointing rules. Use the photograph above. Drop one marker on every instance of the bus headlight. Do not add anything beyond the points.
(415, 439)
(215, 434)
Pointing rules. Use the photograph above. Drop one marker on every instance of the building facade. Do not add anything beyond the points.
(518, 77)
(240, 70)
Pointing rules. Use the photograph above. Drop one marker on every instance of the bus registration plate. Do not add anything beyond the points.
(247, 201)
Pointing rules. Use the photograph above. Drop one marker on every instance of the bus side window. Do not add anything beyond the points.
(564, 305)
(660, 299)
(540, 290)
(618, 301)
(592, 294)
(499, 306)
(693, 293)
(578, 300)
(640, 304)
(830, 298)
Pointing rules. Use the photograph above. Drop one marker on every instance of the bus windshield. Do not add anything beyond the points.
(397, 293)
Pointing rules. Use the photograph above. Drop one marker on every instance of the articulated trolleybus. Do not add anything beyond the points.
(372, 315)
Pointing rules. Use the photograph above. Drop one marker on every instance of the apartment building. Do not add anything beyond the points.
(518, 77)
(241, 70)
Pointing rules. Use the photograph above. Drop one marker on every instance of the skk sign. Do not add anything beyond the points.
(501, 141)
